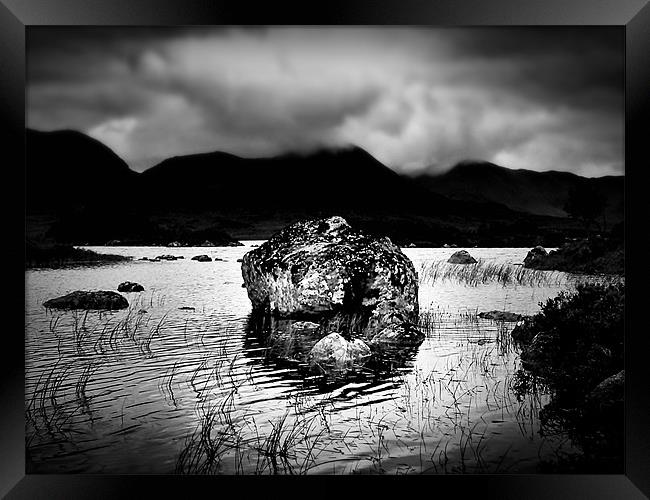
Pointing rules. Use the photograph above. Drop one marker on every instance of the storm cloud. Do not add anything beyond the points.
(418, 99)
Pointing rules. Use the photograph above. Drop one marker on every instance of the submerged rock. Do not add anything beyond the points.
(535, 255)
(101, 300)
(324, 267)
(128, 286)
(404, 334)
(333, 351)
(304, 325)
(500, 316)
(202, 258)
(462, 257)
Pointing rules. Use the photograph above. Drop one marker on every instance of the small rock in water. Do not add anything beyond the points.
(167, 257)
(202, 258)
(187, 308)
(98, 300)
(462, 257)
(399, 334)
(500, 316)
(128, 286)
(535, 256)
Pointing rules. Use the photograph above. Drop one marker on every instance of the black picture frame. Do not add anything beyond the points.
(631, 15)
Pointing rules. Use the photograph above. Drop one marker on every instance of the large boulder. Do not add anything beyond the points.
(101, 300)
(128, 286)
(535, 256)
(324, 268)
(333, 351)
(462, 257)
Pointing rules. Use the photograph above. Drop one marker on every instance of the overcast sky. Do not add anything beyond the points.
(418, 99)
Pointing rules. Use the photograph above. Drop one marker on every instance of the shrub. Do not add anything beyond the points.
(576, 340)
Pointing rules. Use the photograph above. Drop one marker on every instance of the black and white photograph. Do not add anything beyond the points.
(324, 250)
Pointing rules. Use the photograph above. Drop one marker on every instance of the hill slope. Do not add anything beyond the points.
(541, 193)
(68, 170)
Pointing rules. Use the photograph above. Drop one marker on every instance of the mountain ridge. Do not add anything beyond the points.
(209, 193)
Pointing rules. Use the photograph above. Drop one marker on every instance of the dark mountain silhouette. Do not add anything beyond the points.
(79, 191)
(348, 178)
(68, 170)
(541, 193)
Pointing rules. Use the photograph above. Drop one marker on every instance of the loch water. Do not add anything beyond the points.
(180, 382)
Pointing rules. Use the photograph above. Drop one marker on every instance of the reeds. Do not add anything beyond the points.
(484, 272)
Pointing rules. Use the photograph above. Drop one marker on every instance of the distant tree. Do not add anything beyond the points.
(585, 204)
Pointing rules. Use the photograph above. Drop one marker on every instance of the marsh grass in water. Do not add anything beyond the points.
(488, 272)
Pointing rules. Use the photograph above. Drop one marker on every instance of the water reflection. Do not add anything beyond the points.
(104, 390)
(286, 344)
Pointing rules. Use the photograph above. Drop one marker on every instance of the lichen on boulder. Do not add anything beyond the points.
(319, 268)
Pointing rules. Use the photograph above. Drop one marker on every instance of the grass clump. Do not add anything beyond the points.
(487, 272)
(56, 255)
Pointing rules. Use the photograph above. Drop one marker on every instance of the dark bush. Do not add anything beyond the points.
(576, 340)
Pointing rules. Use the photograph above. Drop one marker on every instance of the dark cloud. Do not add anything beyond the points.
(416, 98)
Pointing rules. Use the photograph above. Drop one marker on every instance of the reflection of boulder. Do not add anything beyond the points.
(500, 316)
(323, 267)
(333, 351)
(461, 257)
(101, 300)
(128, 286)
(287, 344)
